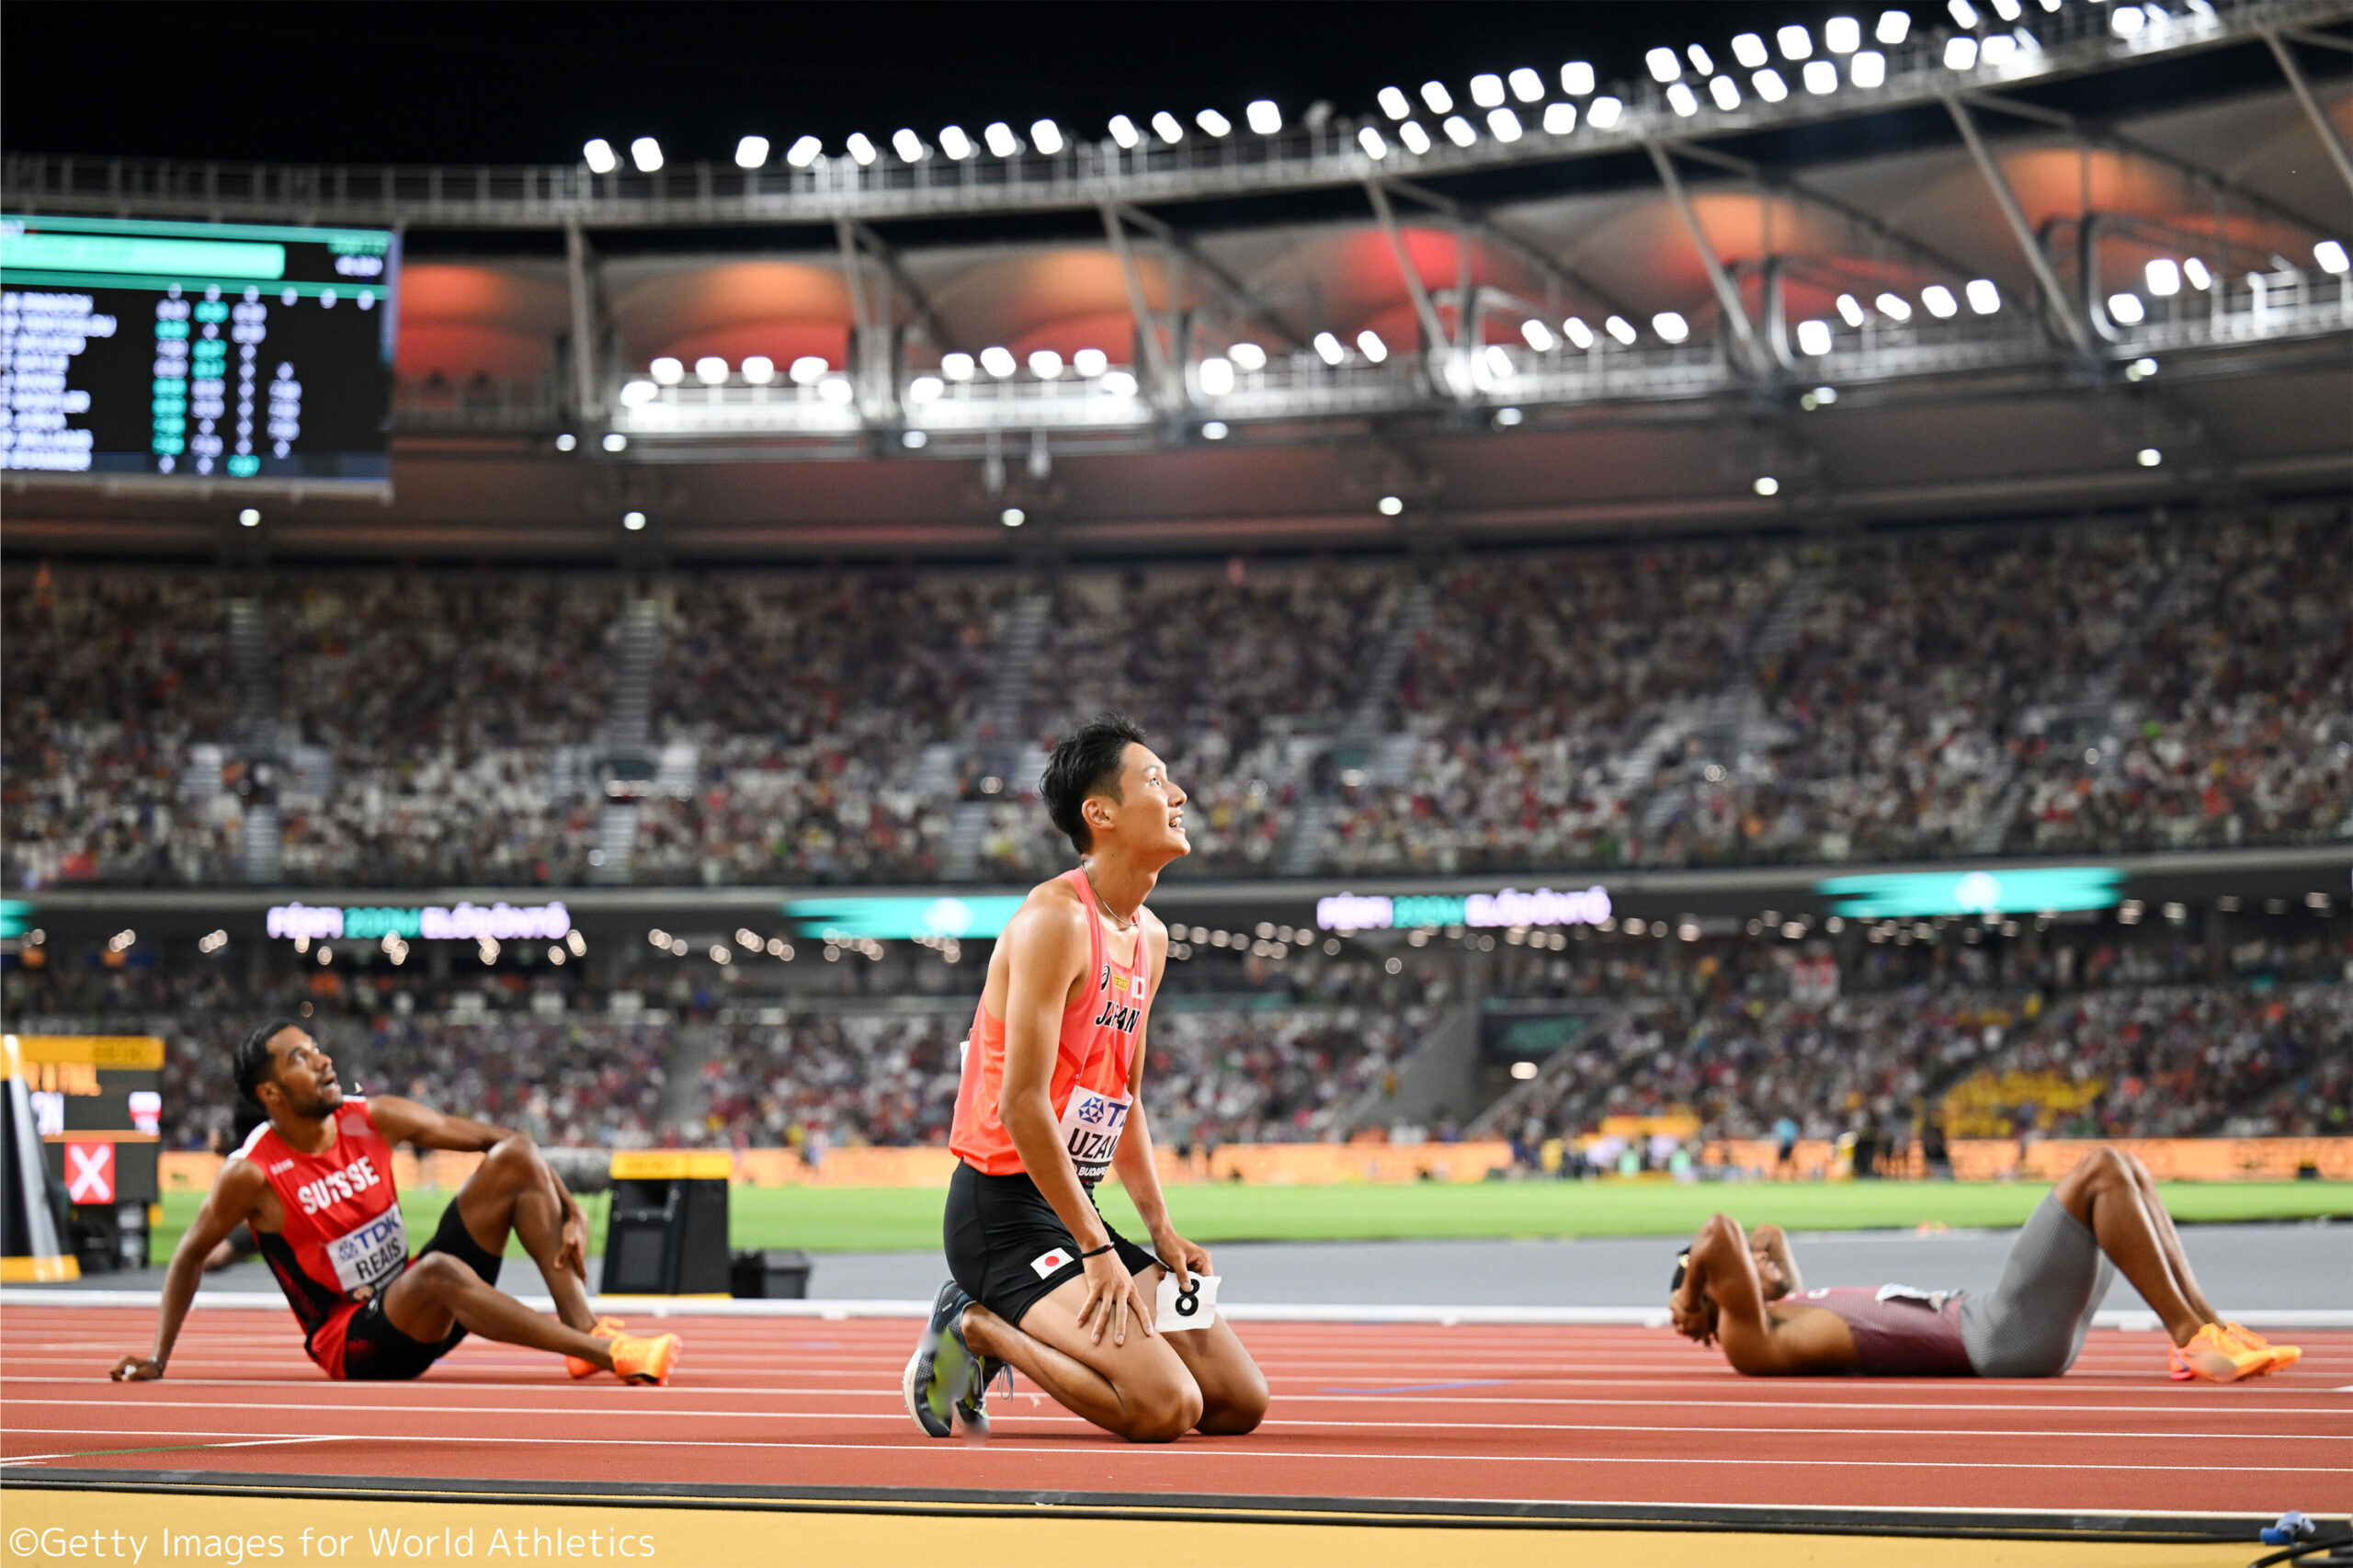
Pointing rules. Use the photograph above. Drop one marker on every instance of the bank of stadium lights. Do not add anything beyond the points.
(1766, 485)
(249, 518)
(2149, 457)
(1578, 334)
(2329, 254)
(1670, 325)
(646, 153)
(1328, 348)
(2126, 309)
(1437, 97)
(1388, 505)
(1168, 127)
(614, 441)
(668, 371)
(955, 144)
(908, 145)
(1012, 517)
(1457, 130)
(633, 521)
(1000, 140)
(752, 153)
(1682, 100)
(1369, 345)
(759, 370)
(1213, 123)
(1577, 79)
(1603, 112)
(956, 367)
(1940, 301)
(1417, 139)
(1621, 329)
(1046, 136)
(1263, 116)
(861, 149)
(1538, 335)
(804, 152)
(808, 370)
(997, 360)
(1814, 337)
(1045, 364)
(711, 370)
(598, 154)
(1895, 307)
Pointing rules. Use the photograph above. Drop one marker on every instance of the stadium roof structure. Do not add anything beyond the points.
(2039, 255)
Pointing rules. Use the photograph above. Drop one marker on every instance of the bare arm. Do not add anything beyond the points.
(1722, 1275)
(407, 1121)
(1771, 1245)
(236, 1199)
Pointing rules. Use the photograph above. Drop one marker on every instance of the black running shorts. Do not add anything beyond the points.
(374, 1351)
(1006, 1247)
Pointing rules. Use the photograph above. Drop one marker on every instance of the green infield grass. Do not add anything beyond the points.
(892, 1219)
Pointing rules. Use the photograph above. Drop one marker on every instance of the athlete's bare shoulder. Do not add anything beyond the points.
(1051, 919)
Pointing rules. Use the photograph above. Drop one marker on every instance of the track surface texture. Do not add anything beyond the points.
(1466, 1414)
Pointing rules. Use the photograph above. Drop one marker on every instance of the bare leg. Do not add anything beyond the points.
(1140, 1390)
(2171, 1240)
(2101, 1192)
(514, 1189)
(439, 1293)
(1234, 1391)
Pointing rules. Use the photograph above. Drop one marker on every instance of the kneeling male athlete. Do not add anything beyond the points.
(2103, 1216)
(314, 1183)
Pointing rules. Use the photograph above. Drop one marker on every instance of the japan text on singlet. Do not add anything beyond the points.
(343, 1240)
(1089, 1086)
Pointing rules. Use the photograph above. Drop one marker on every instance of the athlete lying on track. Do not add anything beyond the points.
(2103, 1216)
(1049, 1105)
(314, 1183)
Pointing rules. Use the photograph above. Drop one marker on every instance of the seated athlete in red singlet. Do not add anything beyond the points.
(314, 1183)
(1049, 1104)
(2103, 1218)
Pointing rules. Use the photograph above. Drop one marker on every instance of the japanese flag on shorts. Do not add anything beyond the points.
(1046, 1263)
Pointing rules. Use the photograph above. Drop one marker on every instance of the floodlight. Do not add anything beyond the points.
(1247, 356)
(668, 370)
(2164, 276)
(1369, 343)
(1369, 138)
(1621, 329)
(1328, 349)
(1576, 78)
(1046, 136)
(1496, 361)
(567, 440)
(1749, 50)
(926, 389)
(1001, 140)
(1216, 376)
(804, 152)
(836, 389)
(914, 440)
(1168, 127)
(1388, 505)
(1940, 303)
(807, 370)
(1393, 103)
(1487, 89)
(861, 149)
(1123, 131)
(2195, 270)
(1895, 307)
(1984, 297)
(1821, 77)
(598, 155)
(1045, 364)
(646, 153)
(1457, 130)
(2008, 10)
(633, 521)
(955, 144)
(1213, 122)
(1538, 335)
(1850, 310)
(2128, 21)
(2150, 457)
(1671, 326)
(2141, 369)
(997, 361)
(1795, 41)
(1603, 112)
(1960, 52)
(1577, 332)
(1893, 27)
(1090, 362)
(1726, 95)
(249, 518)
(1415, 139)
(1842, 35)
(1012, 516)
(1664, 66)
(1435, 94)
(1503, 125)
(1560, 119)
(1679, 98)
(1699, 59)
(956, 367)
(1769, 86)
(1814, 337)
(2126, 309)
(637, 394)
(752, 153)
(1120, 383)
(1213, 430)
(2330, 254)
(1766, 485)
(1868, 69)
(711, 370)
(907, 144)
(1964, 15)
(1998, 50)
(614, 441)
(1527, 85)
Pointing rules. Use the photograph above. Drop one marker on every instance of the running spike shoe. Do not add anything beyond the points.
(647, 1361)
(605, 1328)
(2217, 1356)
(2282, 1356)
(943, 1377)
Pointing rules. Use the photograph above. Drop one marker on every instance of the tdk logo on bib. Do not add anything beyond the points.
(335, 1186)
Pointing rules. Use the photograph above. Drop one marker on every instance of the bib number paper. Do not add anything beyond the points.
(371, 1256)
(1090, 1130)
(1194, 1308)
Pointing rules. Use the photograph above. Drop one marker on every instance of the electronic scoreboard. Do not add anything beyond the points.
(96, 1103)
(196, 350)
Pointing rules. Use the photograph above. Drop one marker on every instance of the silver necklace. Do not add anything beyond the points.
(1122, 927)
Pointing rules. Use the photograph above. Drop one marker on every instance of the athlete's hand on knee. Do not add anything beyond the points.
(1182, 1257)
(572, 1253)
(137, 1369)
(1112, 1299)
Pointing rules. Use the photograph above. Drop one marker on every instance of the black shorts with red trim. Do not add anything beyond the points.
(374, 1351)
(1006, 1247)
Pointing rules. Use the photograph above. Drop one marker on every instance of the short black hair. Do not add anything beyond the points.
(253, 1064)
(1085, 762)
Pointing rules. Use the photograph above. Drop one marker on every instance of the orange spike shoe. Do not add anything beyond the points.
(647, 1361)
(2282, 1356)
(2219, 1356)
(605, 1328)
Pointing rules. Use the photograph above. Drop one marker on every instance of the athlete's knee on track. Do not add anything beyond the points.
(1161, 1411)
(1237, 1407)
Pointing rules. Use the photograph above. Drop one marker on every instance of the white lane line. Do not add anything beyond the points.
(1211, 1449)
(86, 1453)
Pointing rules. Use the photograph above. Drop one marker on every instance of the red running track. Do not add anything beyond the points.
(1554, 1414)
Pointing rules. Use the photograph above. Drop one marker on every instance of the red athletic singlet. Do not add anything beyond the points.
(1089, 1086)
(343, 1241)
